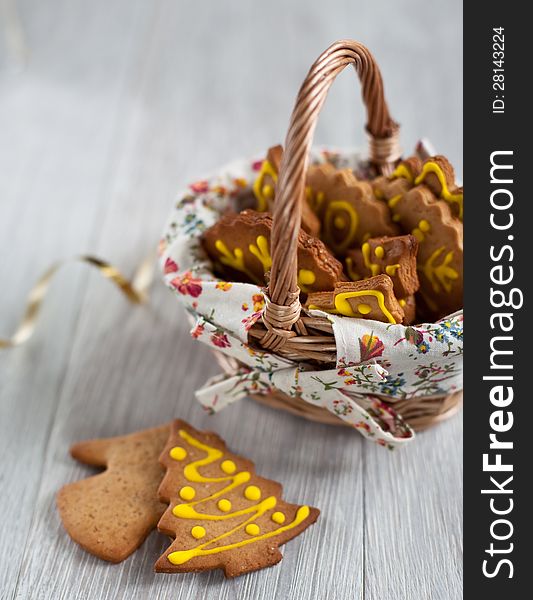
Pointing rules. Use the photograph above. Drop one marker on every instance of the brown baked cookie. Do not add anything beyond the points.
(265, 183)
(239, 246)
(265, 190)
(110, 514)
(221, 514)
(401, 181)
(408, 305)
(438, 174)
(347, 208)
(394, 256)
(440, 248)
(371, 298)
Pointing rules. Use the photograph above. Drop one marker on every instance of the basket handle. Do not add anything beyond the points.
(282, 309)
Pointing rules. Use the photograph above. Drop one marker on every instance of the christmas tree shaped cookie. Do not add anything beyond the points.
(110, 514)
(221, 514)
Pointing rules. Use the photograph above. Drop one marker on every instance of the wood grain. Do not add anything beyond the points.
(120, 103)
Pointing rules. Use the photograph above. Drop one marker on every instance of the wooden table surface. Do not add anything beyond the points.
(106, 109)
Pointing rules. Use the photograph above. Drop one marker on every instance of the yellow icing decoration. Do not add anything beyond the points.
(278, 517)
(330, 220)
(374, 268)
(252, 492)
(432, 167)
(352, 274)
(259, 188)
(192, 474)
(391, 269)
(305, 279)
(182, 556)
(378, 194)
(224, 505)
(268, 191)
(396, 218)
(344, 308)
(364, 309)
(339, 222)
(443, 275)
(420, 231)
(402, 171)
(188, 511)
(252, 529)
(402, 302)
(394, 200)
(178, 453)
(198, 532)
(262, 252)
(187, 493)
(235, 260)
(228, 466)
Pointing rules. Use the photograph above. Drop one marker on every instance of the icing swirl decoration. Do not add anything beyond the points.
(340, 225)
(232, 478)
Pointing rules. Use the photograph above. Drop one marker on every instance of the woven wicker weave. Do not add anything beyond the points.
(286, 329)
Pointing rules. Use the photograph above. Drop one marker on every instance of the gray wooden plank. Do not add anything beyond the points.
(413, 517)
(193, 82)
(54, 162)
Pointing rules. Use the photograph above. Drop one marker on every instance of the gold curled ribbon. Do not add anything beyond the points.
(136, 291)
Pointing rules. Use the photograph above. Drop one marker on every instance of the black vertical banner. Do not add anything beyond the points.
(498, 398)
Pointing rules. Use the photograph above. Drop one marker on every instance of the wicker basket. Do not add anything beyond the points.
(285, 328)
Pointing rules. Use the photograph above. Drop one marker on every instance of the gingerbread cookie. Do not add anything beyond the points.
(265, 190)
(221, 514)
(425, 202)
(371, 298)
(394, 256)
(110, 514)
(265, 183)
(438, 174)
(440, 248)
(239, 246)
(347, 208)
(408, 305)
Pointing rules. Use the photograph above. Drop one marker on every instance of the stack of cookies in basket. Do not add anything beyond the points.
(218, 512)
(388, 249)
